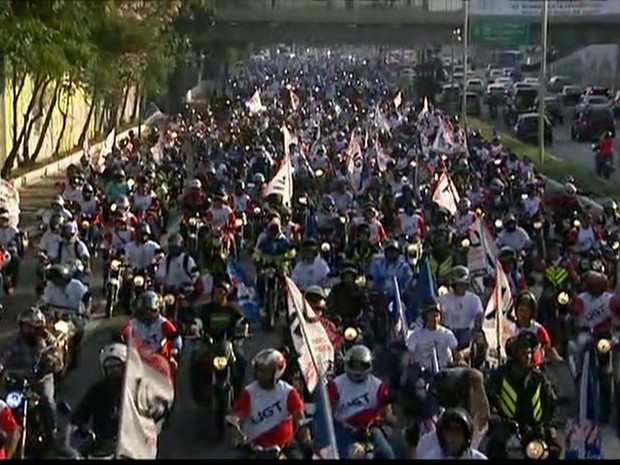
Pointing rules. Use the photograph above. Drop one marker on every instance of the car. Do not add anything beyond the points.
(555, 84)
(533, 81)
(571, 95)
(473, 104)
(615, 105)
(496, 90)
(526, 128)
(553, 109)
(515, 87)
(591, 122)
(475, 85)
(597, 90)
(494, 74)
(592, 100)
(457, 77)
(505, 81)
(508, 71)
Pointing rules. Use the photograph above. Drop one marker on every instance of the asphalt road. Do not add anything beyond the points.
(189, 434)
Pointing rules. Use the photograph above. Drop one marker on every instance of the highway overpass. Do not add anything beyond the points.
(388, 22)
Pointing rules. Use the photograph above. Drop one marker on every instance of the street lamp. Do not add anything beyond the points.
(542, 84)
(465, 60)
(456, 37)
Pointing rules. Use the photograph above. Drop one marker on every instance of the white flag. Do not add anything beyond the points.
(282, 183)
(316, 344)
(496, 325)
(381, 121)
(9, 199)
(444, 140)
(398, 101)
(355, 163)
(156, 116)
(255, 105)
(295, 102)
(148, 394)
(288, 139)
(382, 157)
(424, 110)
(108, 144)
(483, 252)
(446, 195)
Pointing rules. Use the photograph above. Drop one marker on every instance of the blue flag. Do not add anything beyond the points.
(246, 294)
(323, 442)
(424, 293)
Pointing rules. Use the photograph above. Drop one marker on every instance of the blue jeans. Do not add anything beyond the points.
(379, 441)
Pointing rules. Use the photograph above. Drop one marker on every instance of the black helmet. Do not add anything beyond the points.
(176, 240)
(58, 273)
(56, 221)
(527, 298)
(455, 418)
(143, 228)
(392, 245)
(525, 340)
(149, 301)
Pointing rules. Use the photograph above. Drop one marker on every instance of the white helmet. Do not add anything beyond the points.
(271, 358)
(194, 184)
(110, 352)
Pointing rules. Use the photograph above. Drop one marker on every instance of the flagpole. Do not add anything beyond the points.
(542, 81)
(465, 60)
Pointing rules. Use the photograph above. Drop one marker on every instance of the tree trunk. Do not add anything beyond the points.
(17, 91)
(46, 122)
(102, 117)
(33, 119)
(121, 116)
(10, 159)
(135, 112)
(63, 127)
(89, 117)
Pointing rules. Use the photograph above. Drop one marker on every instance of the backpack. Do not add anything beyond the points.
(185, 264)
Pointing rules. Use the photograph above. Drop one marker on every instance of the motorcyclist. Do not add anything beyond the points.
(33, 351)
(513, 235)
(11, 242)
(119, 235)
(432, 335)
(156, 331)
(101, 405)
(220, 216)
(89, 204)
(584, 236)
(462, 309)
(194, 201)
(343, 199)
(143, 199)
(311, 269)
(441, 259)
(316, 298)
(117, 187)
(452, 439)
(178, 270)
(73, 189)
(409, 223)
(595, 308)
(223, 319)
(327, 216)
(392, 264)
(359, 401)
(361, 250)
(347, 300)
(519, 392)
(605, 152)
(526, 308)
(241, 201)
(465, 217)
(57, 207)
(71, 247)
(289, 228)
(610, 219)
(269, 411)
(65, 292)
(509, 261)
(48, 244)
(377, 231)
(140, 253)
(564, 204)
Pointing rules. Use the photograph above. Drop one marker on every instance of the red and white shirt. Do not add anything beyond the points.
(596, 313)
(221, 218)
(268, 414)
(410, 225)
(8, 425)
(357, 404)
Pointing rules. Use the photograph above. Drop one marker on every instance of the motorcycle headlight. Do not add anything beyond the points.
(239, 222)
(615, 245)
(302, 201)
(257, 210)
(61, 326)
(318, 173)
(219, 363)
(325, 247)
(115, 265)
(412, 248)
(14, 399)
(113, 207)
(443, 290)
(169, 299)
(343, 219)
(85, 224)
(138, 281)
(576, 223)
(563, 298)
(465, 243)
(536, 450)
(350, 334)
(537, 225)
(192, 222)
(523, 196)
(499, 224)
(361, 281)
(603, 346)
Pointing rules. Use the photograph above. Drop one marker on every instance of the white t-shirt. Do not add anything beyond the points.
(175, 276)
(429, 449)
(141, 256)
(461, 312)
(518, 239)
(422, 340)
(70, 251)
(70, 297)
(306, 275)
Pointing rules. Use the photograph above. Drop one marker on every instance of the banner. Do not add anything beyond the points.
(528, 8)
(148, 394)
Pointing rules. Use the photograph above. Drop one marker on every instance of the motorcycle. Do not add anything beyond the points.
(140, 281)
(272, 298)
(67, 327)
(417, 403)
(113, 286)
(176, 308)
(252, 451)
(194, 227)
(508, 440)
(214, 378)
(89, 231)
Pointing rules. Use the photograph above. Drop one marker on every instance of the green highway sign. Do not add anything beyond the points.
(500, 32)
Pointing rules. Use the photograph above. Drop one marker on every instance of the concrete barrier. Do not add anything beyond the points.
(551, 185)
(57, 166)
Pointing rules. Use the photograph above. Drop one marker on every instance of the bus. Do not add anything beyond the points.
(508, 59)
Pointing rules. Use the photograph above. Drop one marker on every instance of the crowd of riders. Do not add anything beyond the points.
(356, 226)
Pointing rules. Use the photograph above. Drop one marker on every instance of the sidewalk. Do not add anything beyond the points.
(33, 198)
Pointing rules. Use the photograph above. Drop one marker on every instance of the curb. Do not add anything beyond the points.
(56, 166)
